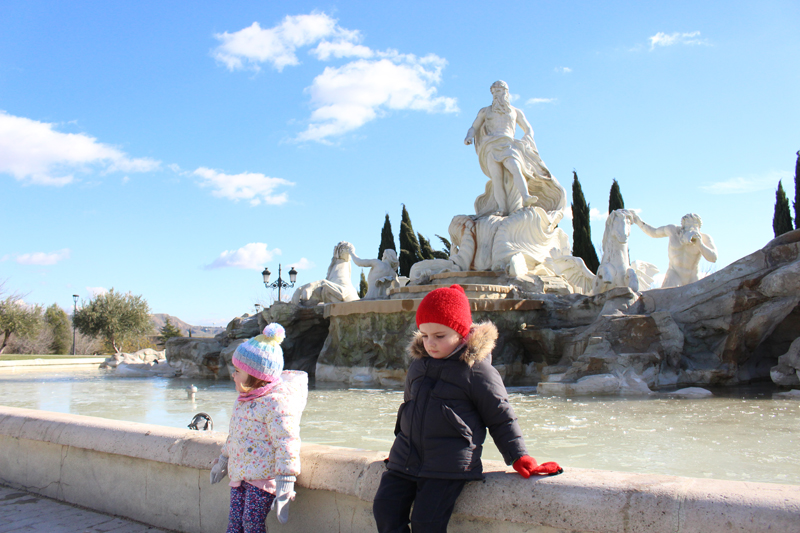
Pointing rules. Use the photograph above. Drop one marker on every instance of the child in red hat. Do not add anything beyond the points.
(452, 395)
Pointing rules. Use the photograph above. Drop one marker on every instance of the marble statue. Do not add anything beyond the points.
(518, 213)
(615, 268)
(517, 175)
(336, 287)
(382, 274)
(686, 246)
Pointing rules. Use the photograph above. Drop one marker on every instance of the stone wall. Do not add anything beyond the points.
(367, 339)
(159, 476)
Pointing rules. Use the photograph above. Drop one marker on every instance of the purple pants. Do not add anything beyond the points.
(249, 508)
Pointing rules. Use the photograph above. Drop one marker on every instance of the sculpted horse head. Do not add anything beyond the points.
(615, 269)
(618, 229)
(339, 269)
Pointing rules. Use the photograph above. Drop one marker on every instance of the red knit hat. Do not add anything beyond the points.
(447, 306)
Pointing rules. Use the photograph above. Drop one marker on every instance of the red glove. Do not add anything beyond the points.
(526, 465)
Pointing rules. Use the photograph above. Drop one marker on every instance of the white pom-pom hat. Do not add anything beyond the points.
(262, 356)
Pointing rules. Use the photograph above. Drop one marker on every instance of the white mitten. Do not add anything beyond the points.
(284, 493)
(219, 470)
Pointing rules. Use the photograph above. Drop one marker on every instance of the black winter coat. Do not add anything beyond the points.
(448, 405)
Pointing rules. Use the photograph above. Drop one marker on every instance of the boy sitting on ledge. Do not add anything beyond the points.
(452, 394)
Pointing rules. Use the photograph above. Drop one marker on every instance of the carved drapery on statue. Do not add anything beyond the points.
(551, 195)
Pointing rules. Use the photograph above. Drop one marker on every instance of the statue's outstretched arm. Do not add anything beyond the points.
(364, 263)
(650, 231)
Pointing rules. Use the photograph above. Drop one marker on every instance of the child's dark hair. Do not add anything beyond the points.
(251, 382)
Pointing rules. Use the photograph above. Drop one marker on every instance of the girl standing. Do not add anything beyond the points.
(262, 453)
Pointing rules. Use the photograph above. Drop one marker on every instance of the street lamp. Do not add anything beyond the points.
(74, 310)
(280, 284)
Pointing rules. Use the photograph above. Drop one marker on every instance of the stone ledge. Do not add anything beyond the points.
(410, 305)
(144, 472)
(131, 439)
(469, 274)
(54, 362)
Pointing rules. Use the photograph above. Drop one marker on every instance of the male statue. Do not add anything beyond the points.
(382, 274)
(518, 177)
(686, 246)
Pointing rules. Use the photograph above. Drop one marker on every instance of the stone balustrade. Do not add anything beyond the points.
(159, 476)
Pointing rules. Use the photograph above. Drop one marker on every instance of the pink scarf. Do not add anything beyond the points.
(259, 392)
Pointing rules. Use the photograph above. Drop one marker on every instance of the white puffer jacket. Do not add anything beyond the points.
(264, 435)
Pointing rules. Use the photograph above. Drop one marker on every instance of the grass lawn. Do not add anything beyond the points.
(27, 357)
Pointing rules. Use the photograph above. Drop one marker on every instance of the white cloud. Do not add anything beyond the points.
(534, 101)
(251, 256)
(342, 48)
(563, 70)
(662, 39)
(35, 153)
(596, 215)
(253, 45)
(42, 258)
(303, 264)
(345, 98)
(251, 186)
(747, 184)
(568, 212)
(96, 291)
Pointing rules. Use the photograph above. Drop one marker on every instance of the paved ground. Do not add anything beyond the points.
(22, 512)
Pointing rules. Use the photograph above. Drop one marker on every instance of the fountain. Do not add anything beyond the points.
(562, 328)
(602, 353)
(659, 435)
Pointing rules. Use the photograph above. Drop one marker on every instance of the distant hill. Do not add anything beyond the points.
(159, 319)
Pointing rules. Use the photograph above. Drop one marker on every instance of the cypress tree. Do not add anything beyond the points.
(446, 246)
(581, 229)
(427, 249)
(410, 252)
(615, 200)
(363, 286)
(387, 239)
(782, 219)
(169, 330)
(797, 192)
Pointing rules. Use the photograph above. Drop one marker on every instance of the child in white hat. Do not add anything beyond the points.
(262, 453)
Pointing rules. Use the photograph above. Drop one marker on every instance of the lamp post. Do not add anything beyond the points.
(280, 284)
(74, 310)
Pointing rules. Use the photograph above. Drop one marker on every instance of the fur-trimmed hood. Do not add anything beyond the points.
(480, 343)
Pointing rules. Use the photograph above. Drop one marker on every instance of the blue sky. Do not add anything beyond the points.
(174, 149)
